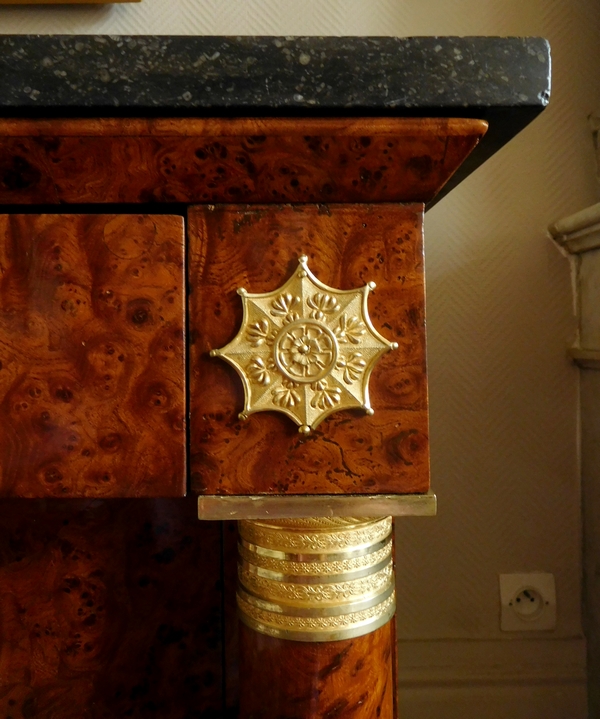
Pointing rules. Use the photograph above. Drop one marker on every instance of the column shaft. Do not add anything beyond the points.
(316, 599)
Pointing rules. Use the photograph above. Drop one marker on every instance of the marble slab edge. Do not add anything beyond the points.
(213, 507)
(383, 74)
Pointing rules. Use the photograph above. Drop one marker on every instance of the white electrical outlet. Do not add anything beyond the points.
(527, 602)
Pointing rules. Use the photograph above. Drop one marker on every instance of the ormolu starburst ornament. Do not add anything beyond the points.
(305, 349)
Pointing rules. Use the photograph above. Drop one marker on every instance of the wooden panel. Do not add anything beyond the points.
(350, 679)
(91, 356)
(109, 609)
(193, 160)
(257, 248)
(230, 619)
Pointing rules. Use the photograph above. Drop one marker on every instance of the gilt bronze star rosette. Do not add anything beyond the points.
(305, 349)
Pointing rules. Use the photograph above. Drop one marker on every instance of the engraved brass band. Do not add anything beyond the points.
(316, 579)
(321, 534)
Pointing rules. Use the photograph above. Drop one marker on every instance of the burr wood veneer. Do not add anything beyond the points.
(349, 679)
(347, 245)
(77, 287)
(93, 387)
(109, 608)
(268, 160)
(91, 356)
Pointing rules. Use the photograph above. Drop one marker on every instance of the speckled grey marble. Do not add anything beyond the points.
(503, 80)
(266, 73)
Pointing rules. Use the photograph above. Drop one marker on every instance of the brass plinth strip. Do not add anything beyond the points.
(316, 579)
(261, 506)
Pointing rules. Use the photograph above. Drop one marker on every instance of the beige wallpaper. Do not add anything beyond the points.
(288, 17)
(503, 396)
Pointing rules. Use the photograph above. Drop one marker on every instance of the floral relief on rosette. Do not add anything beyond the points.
(258, 371)
(260, 333)
(287, 395)
(305, 349)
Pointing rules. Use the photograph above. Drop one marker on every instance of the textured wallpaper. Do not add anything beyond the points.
(503, 396)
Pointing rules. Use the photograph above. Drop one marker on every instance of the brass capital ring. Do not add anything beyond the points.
(316, 580)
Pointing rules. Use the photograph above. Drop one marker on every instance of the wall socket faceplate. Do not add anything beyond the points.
(527, 602)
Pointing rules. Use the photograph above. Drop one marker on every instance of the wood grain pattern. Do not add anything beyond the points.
(239, 160)
(350, 679)
(109, 609)
(257, 248)
(230, 616)
(91, 356)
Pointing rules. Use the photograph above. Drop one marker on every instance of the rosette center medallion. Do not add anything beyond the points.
(305, 349)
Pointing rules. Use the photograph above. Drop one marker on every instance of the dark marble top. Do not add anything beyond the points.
(312, 74)
(503, 80)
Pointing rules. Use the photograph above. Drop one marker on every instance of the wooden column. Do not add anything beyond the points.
(353, 677)
(316, 599)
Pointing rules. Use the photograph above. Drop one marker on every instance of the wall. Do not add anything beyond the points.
(590, 401)
(579, 234)
(588, 286)
(503, 396)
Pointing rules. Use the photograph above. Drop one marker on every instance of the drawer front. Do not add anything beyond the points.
(92, 383)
